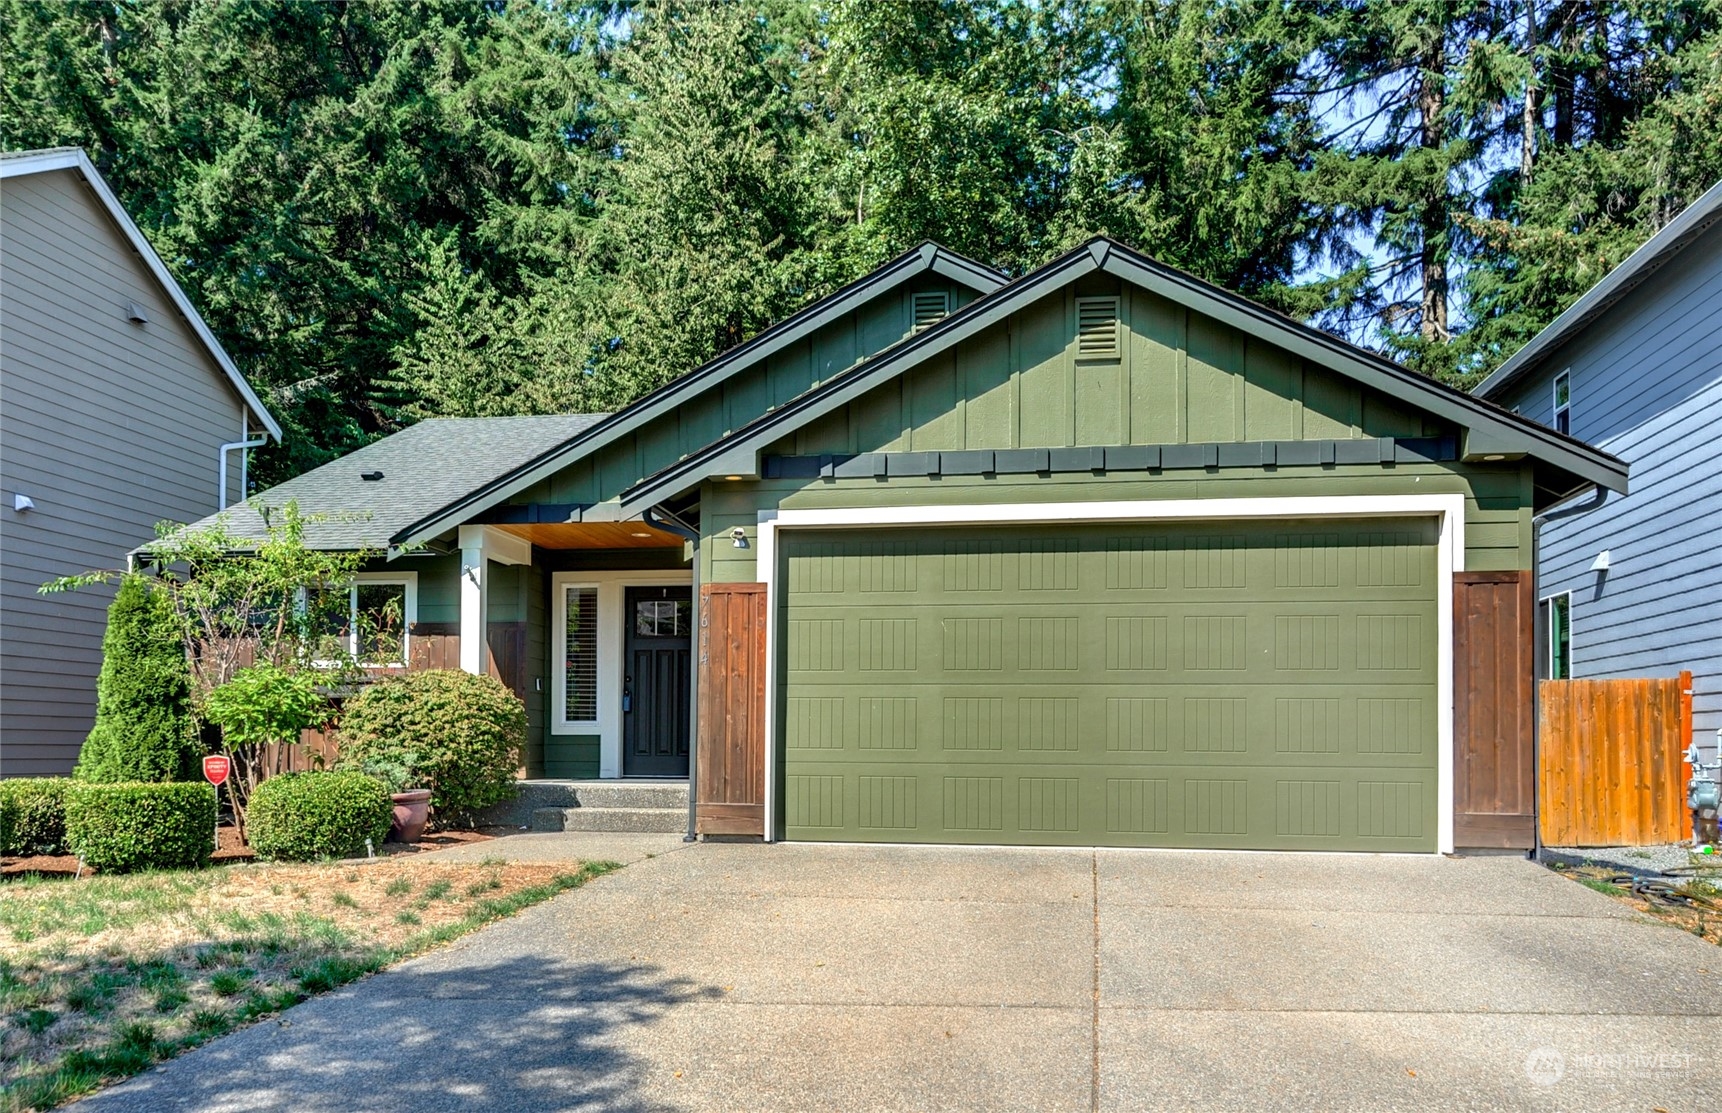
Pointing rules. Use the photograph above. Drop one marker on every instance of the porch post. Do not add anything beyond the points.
(474, 600)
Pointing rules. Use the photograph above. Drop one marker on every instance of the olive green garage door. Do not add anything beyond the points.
(1260, 685)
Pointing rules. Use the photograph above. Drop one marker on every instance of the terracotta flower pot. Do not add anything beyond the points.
(412, 810)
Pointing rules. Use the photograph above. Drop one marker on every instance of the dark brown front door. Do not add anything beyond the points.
(655, 682)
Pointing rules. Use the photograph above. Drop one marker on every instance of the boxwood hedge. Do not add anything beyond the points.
(35, 811)
(141, 826)
(301, 817)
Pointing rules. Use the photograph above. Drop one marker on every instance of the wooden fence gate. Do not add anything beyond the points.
(1611, 761)
(730, 766)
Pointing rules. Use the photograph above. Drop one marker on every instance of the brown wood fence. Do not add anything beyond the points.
(730, 765)
(1494, 789)
(1611, 761)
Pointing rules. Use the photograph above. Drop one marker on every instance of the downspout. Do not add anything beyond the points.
(659, 518)
(244, 442)
(1558, 513)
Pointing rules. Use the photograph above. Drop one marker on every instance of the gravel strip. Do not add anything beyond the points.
(1633, 859)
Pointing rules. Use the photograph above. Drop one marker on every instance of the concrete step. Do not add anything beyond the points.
(657, 820)
(631, 794)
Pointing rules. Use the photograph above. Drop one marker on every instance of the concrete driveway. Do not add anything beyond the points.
(795, 977)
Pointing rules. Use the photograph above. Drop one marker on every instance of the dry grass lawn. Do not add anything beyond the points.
(102, 977)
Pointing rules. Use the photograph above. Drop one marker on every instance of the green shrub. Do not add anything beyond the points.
(35, 809)
(300, 817)
(144, 729)
(461, 734)
(123, 827)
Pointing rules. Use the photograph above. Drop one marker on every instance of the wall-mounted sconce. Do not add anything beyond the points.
(738, 537)
(21, 503)
(1601, 563)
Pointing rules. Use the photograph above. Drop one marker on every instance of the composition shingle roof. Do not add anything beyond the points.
(424, 467)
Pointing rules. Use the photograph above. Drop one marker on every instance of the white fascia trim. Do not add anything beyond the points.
(1448, 510)
(612, 618)
(75, 159)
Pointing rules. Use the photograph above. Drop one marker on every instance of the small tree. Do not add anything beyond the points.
(239, 602)
(261, 712)
(144, 729)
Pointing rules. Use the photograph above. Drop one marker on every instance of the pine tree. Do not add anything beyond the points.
(143, 729)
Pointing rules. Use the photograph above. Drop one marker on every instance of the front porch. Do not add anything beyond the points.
(589, 623)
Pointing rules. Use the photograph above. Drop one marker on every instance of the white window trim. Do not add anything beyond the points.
(1448, 510)
(1549, 634)
(612, 588)
(1556, 406)
(409, 580)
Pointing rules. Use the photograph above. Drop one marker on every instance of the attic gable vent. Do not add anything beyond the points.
(930, 307)
(1097, 328)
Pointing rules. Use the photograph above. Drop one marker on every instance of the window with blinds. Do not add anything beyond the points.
(930, 307)
(580, 656)
(1097, 328)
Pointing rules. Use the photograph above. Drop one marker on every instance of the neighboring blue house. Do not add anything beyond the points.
(1634, 587)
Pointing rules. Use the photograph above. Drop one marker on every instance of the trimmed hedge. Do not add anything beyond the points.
(35, 808)
(141, 826)
(460, 734)
(301, 817)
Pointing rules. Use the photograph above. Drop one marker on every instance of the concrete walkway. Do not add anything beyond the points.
(796, 977)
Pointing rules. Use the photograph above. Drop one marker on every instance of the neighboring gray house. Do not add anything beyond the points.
(118, 410)
(1634, 587)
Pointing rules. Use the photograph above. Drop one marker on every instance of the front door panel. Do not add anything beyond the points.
(655, 681)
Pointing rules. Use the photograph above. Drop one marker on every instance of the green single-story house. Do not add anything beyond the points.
(1102, 555)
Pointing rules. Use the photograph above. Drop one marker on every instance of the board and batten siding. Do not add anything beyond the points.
(109, 426)
(1178, 378)
(1646, 385)
(742, 397)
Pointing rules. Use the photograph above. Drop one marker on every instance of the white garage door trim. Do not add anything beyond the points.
(1449, 510)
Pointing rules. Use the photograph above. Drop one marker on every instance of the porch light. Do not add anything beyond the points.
(738, 537)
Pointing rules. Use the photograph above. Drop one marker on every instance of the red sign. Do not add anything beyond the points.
(215, 769)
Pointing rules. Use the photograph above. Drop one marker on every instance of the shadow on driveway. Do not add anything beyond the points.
(521, 1034)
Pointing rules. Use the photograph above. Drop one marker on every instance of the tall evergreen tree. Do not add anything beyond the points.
(144, 729)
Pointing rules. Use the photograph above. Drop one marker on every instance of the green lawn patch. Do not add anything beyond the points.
(101, 978)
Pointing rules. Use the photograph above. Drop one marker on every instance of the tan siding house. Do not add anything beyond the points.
(116, 403)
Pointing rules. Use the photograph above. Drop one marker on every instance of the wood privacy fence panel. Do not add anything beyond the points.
(1611, 765)
(1493, 719)
(730, 765)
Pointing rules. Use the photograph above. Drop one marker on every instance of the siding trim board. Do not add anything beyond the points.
(1448, 509)
(1489, 431)
(1153, 457)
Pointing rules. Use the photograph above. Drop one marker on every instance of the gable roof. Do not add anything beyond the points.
(15, 164)
(1677, 235)
(925, 259)
(1490, 425)
(423, 466)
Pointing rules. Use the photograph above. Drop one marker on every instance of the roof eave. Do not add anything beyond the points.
(1501, 432)
(927, 257)
(1669, 241)
(76, 159)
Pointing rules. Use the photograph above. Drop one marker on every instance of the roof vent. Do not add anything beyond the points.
(1097, 328)
(135, 313)
(930, 307)
(370, 476)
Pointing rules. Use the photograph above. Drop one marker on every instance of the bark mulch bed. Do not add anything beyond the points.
(233, 849)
